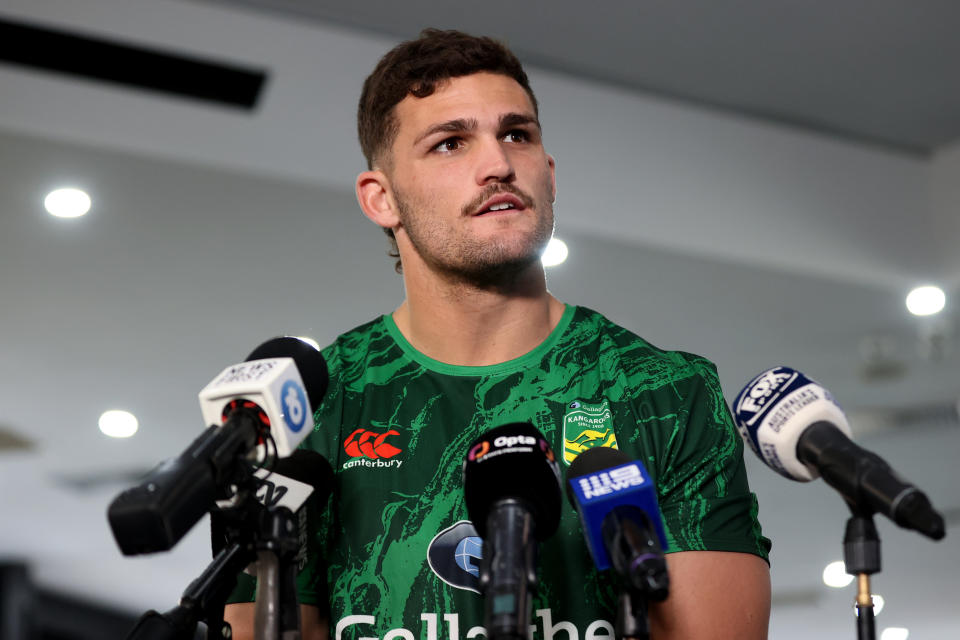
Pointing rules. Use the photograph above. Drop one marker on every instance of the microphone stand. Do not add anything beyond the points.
(253, 532)
(638, 562)
(508, 570)
(203, 601)
(276, 614)
(631, 622)
(861, 556)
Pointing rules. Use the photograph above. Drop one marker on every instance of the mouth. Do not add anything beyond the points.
(500, 204)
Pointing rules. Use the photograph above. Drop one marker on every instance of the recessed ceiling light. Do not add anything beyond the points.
(67, 203)
(835, 575)
(878, 603)
(926, 301)
(895, 633)
(555, 253)
(117, 423)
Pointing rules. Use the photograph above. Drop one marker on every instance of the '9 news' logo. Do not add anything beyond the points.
(611, 481)
(294, 403)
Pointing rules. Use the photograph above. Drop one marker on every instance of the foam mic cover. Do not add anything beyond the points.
(775, 408)
(600, 480)
(310, 364)
(592, 461)
(309, 468)
(301, 477)
(513, 461)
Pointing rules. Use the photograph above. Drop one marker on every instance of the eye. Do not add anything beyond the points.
(448, 145)
(516, 135)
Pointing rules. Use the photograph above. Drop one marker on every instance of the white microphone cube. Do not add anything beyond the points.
(274, 385)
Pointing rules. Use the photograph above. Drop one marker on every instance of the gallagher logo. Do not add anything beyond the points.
(371, 449)
(454, 556)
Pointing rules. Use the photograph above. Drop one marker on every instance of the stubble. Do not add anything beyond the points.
(450, 250)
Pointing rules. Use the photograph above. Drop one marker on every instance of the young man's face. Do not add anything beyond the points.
(473, 185)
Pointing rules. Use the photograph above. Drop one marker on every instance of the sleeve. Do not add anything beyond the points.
(314, 519)
(702, 481)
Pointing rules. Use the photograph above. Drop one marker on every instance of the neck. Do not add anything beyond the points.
(460, 323)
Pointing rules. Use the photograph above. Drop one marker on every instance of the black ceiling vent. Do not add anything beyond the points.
(130, 66)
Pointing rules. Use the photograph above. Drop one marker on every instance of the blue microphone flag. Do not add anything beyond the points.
(597, 494)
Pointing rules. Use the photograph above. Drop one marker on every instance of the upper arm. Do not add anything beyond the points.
(715, 595)
(719, 576)
(240, 617)
(702, 486)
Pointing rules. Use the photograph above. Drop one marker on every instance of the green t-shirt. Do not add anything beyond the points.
(396, 548)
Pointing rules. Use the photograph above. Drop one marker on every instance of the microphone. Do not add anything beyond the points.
(271, 521)
(617, 504)
(258, 402)
(511, 486)
(275, 380)
(302, 476)
(797, 428)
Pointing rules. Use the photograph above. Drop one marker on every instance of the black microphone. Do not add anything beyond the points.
(863, 477)
(797, 428)
(617, 504)
(511, 485)
(261, 401)
(301, 479)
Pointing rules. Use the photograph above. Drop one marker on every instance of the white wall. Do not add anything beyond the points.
(944, 173)
(633, 167)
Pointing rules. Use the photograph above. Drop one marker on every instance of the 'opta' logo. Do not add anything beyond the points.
(370, 444)
(478, 450)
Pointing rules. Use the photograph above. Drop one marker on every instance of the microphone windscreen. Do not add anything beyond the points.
(593, 461)
(603, 479)
(774, 410)
(310, 364)
(513, 461)
(311, 468)
(280, 487)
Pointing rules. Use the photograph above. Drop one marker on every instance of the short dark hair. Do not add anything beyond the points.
(417, 67)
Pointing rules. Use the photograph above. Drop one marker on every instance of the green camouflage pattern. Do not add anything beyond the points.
(408, 421)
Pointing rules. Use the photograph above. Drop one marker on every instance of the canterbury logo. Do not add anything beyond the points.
(369, 444)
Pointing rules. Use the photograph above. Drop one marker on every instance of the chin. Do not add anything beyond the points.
(499, 269)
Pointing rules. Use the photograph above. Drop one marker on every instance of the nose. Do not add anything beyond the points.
(494, 163)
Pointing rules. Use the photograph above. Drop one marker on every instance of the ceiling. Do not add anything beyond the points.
(757, 184)
(874, 72)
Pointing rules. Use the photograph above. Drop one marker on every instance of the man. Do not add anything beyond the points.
(460, 181)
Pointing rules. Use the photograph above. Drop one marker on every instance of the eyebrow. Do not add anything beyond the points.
(458, 125)
(518, 119)
(465, 125)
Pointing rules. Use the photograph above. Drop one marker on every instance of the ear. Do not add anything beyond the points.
(373, 194)
(553, 177)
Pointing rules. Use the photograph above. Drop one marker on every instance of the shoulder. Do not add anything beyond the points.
(372, 355)
(348, 363)
(356, 344)
(621, 347)
(356, 339)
